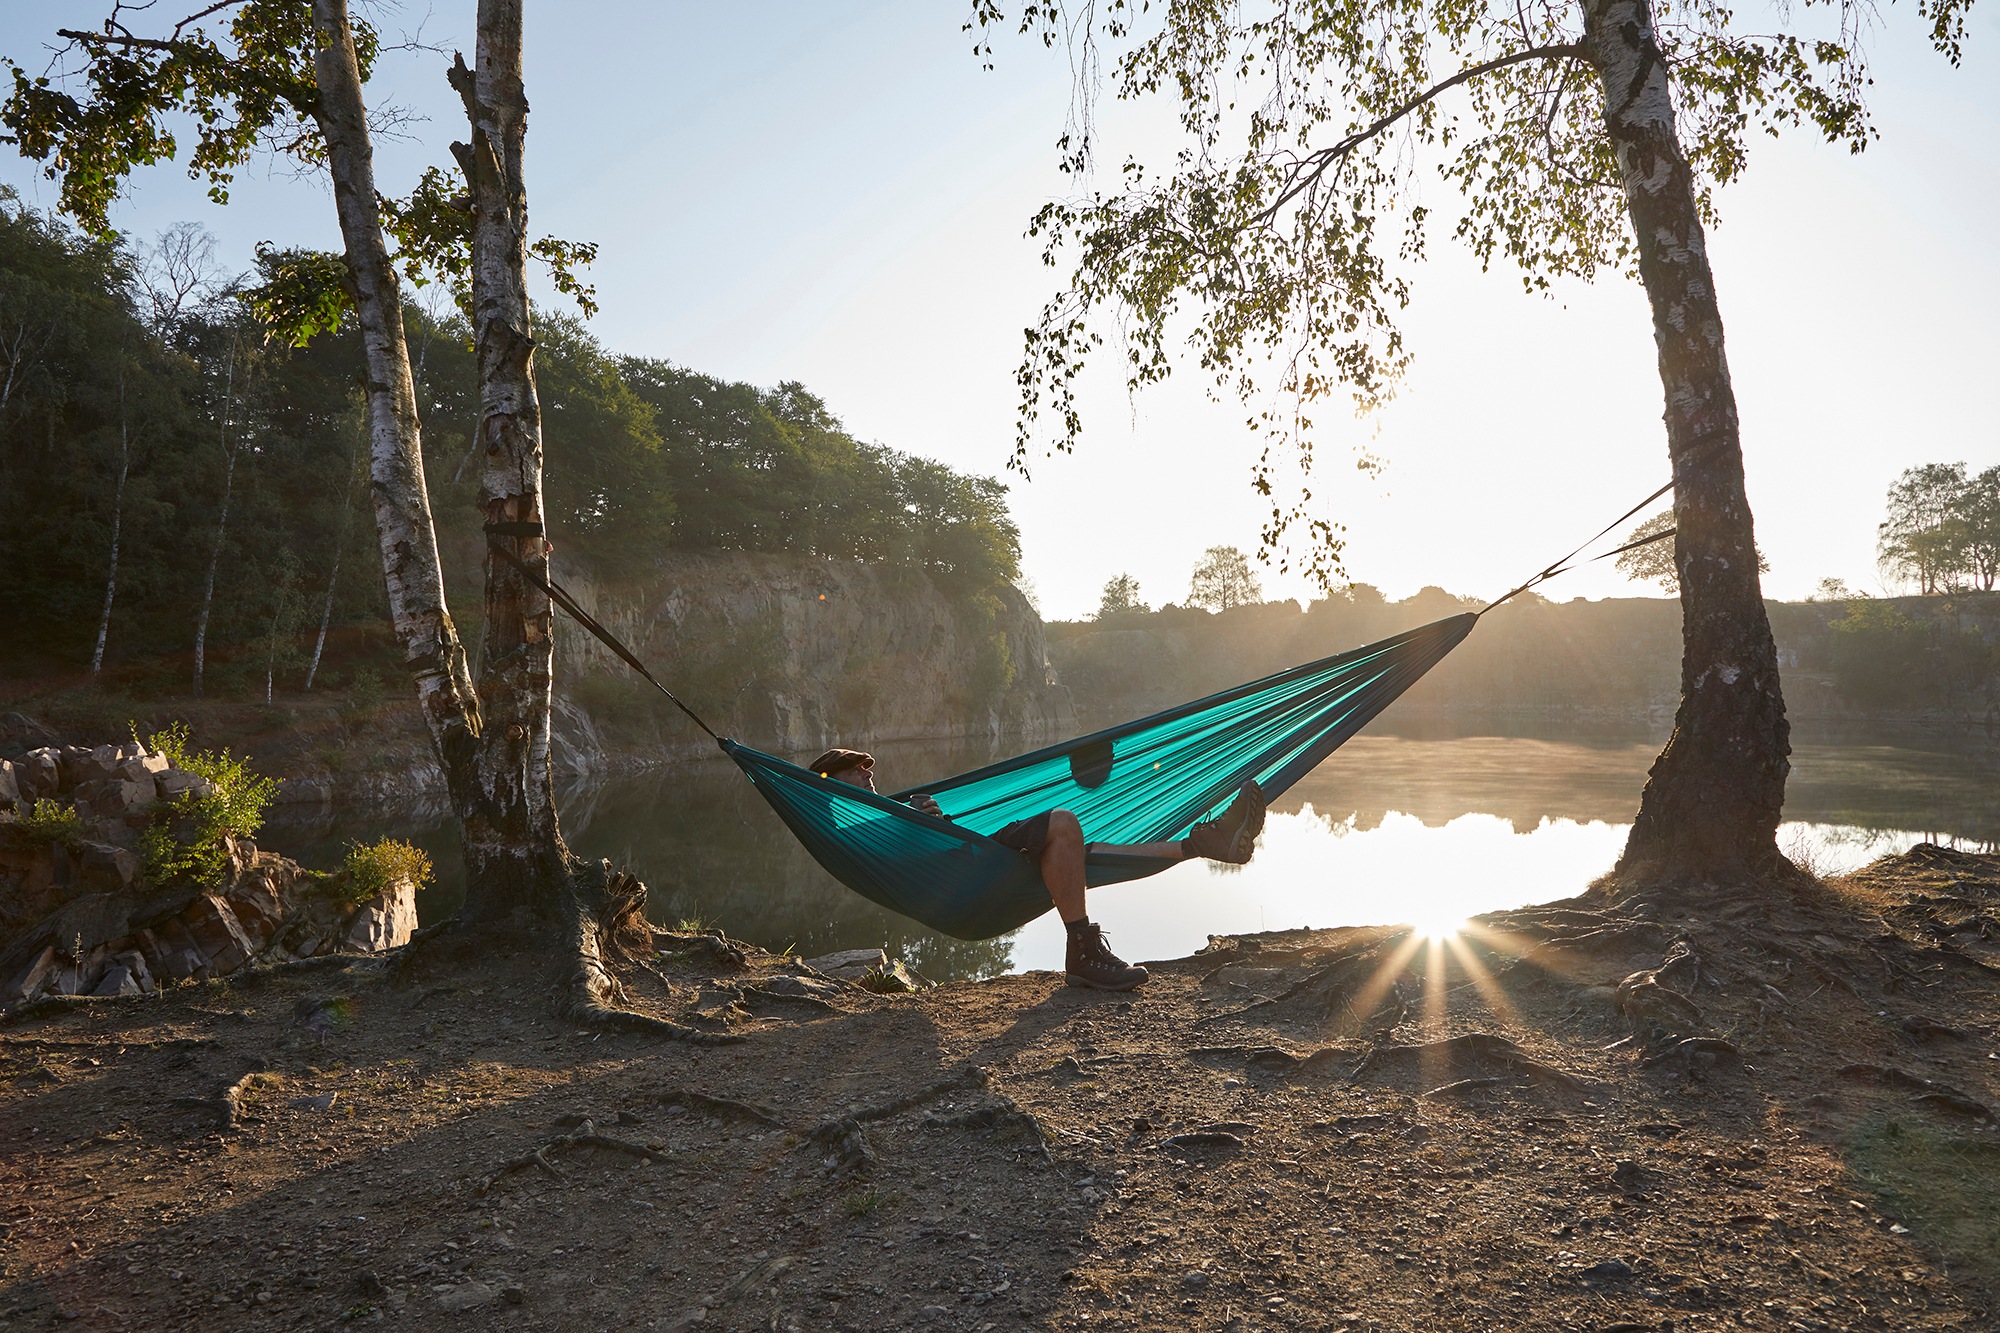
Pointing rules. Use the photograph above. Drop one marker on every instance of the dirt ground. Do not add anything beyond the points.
(1780, 1121)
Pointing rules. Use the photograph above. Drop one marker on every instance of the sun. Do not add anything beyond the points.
(1438, 925)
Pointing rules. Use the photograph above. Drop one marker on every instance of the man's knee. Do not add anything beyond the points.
(1064, 827)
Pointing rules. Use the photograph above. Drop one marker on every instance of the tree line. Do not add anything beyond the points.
(184, 497)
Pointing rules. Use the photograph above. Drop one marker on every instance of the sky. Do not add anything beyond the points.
(839, 195)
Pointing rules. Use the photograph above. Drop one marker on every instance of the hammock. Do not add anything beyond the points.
(1145, 781)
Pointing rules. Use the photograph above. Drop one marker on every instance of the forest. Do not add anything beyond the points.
(184, 497)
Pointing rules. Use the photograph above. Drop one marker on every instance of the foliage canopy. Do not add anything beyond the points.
(1277, 245)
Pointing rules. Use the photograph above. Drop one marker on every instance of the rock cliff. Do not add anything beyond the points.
(793, 654)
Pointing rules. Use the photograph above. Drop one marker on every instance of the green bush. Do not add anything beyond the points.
(371, 868)
(187, 840)
(53, 822)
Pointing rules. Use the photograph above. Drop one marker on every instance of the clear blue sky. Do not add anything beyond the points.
(838, 195)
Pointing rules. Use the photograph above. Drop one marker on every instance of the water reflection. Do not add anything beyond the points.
(1394, 827)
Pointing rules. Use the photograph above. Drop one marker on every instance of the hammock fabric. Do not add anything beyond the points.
(1145, 781)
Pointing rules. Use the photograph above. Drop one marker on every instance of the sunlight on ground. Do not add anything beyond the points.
(1312, 871)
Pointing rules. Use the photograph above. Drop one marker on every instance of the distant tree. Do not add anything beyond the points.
(1924, 538)
(1655, 562)
(1224, 579)
(1979, 511)
(1121, 597)
(1834, 590)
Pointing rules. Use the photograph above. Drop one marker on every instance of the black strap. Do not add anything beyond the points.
(589, 622)
(1563, 565)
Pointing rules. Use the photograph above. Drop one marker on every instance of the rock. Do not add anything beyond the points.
(469, 1296)
(850, 964)
(383, 922)
(29, 981)
(217, 934)
(514, 1294)
(104, 868)
(1194, 1281)
(39, 774)
(117, 980)
(114, 800)
(134, 962)
(10, 787)
(172, 784)
(142, 765)
(1611, 1270)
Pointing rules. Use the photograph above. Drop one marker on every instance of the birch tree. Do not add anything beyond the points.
(1583, 137)
(294, 76)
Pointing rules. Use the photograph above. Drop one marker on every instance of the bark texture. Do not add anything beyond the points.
(514, 850)
(431, 648)
(1711, 805)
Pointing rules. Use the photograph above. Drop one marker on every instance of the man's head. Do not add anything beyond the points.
(855, 767)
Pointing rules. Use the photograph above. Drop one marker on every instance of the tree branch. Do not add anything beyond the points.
(1315, 166)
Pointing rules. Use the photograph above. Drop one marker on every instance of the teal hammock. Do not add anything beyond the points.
(1145, 781)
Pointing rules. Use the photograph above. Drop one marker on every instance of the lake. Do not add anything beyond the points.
(1429, 826)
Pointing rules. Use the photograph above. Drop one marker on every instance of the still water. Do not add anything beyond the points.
(1416, 827)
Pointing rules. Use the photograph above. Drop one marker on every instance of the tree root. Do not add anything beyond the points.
(584, 1135)
(1473, 1052)
(701, 1101)
(603, 908)
(718, 949)
(972, 1076)
(1004, 1115)
(1694, 1056)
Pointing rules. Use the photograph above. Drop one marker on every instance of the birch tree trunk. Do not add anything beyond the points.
(514, 847)
(117, 521)
(221, 522)
(410, 566)
(1711, 804)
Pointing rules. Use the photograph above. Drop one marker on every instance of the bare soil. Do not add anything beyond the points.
(1760, 1109)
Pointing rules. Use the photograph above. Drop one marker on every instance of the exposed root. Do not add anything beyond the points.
(1693, 1057)
(710, 946)
(602, 905)
(1276, 1059)
(1471, 1055)
(1002, 1114)
(585, 1135)
(721, 1106)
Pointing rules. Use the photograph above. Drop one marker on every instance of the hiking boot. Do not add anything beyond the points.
(1232, 835)
(1090, 962)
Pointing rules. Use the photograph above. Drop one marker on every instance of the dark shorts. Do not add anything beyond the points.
(1026, 836)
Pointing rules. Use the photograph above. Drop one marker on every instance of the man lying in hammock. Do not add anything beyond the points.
(1054, 840)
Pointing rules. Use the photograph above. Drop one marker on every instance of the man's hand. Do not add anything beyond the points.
(926, 805)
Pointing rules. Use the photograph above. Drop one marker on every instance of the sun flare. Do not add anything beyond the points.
(1438, 926)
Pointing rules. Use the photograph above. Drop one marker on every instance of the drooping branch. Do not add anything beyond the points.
(1308, 171)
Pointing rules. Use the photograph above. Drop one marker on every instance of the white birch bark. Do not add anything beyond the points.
(229, 452)
(117, 522)
(408, 538)
(1711, 804)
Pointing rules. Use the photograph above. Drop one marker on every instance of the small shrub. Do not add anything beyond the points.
(187, 841)
(370, 868)
(53, 822)
(863, 1202)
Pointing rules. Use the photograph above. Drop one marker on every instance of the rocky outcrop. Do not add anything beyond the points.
(77, 918)
(794, 654)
